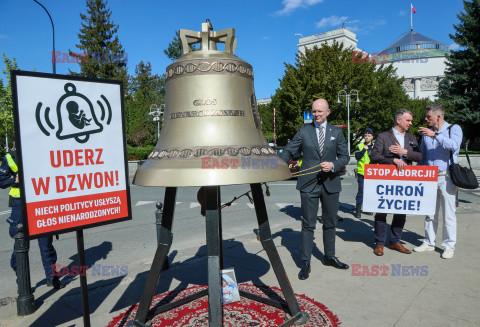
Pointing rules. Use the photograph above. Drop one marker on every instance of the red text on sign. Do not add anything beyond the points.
(78, 157)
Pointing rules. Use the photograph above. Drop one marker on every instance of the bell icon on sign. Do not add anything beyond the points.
(76, 116)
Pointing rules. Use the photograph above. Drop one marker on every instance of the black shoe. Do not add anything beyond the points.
(334, 262)
(304, 272)
(55, 283)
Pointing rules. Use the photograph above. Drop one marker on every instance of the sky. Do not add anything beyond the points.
(267, 31)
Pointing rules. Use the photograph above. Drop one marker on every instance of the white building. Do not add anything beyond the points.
(418, 58)
(341, 35)
(421, 60)
(263, 101)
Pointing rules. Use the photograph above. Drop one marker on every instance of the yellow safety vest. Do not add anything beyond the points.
(363, 161)
(14, 191)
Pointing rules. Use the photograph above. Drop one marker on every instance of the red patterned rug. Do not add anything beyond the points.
(238, 314)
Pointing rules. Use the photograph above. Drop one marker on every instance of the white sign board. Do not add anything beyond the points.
(411, 191)
(71, 142)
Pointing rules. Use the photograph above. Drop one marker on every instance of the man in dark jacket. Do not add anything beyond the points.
(394, 147)
(324, 155)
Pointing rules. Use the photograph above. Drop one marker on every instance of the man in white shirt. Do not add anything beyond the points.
(438, 140)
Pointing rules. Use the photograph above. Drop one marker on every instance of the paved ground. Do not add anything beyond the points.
(419, 289)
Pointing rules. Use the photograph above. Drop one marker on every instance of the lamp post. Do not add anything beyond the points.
(157, 113)
(53, 34)
(347, 95)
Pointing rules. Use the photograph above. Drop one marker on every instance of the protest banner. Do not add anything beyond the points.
(411, 191)
(70, 136)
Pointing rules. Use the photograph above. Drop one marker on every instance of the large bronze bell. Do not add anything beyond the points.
(212, 132)
(212, 136)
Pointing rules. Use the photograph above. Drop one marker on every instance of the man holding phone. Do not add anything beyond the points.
(437, 142)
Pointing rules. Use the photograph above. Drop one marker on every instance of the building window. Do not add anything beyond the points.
(428, 46)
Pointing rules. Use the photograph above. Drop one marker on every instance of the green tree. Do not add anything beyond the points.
(6, 106)
(101, 54)
(145, 89)
(266, 114)
(460, 90)
(322, 73)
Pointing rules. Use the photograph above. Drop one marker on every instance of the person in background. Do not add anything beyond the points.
(9, 178)
(437, 141)
(362, 153)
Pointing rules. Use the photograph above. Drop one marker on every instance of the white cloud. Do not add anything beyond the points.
(378, 22)
(402, 13)
(3, 36)
(331, 21)
(291, 5)
(266, 37)
(454, 46)
(355, 29)
(358, 26)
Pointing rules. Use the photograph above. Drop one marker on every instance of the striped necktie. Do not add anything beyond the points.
(321, 138)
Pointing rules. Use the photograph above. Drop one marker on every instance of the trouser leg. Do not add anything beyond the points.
(449, 191)
(397, 228)
(380, 230)
(359, 198)
(48, 254)
(13, 261)
(309, 219)
(15, 218)
(329, 218)
(431, 221)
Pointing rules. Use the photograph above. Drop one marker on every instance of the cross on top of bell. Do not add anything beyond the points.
(208, 38)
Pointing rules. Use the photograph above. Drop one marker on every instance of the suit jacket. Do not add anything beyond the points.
(334, 150)
(382, 155)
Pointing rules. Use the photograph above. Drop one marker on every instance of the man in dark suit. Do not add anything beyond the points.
(324, 155)
(394, 147)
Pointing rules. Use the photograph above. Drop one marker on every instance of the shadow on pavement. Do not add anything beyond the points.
(292, 211)
(193, 271)
(92, 255)
(68, 307)
(290, 239)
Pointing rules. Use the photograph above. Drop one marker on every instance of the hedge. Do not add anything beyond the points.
(139, 153)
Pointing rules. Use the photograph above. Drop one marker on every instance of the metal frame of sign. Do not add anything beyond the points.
(14, 74)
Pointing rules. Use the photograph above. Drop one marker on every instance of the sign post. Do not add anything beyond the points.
(70, 136)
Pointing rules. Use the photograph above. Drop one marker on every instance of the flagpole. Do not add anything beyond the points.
(411, 17)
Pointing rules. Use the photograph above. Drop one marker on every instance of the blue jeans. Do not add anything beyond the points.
(359, 198)
(47, 251)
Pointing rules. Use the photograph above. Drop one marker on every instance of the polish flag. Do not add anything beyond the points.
(413, 9)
